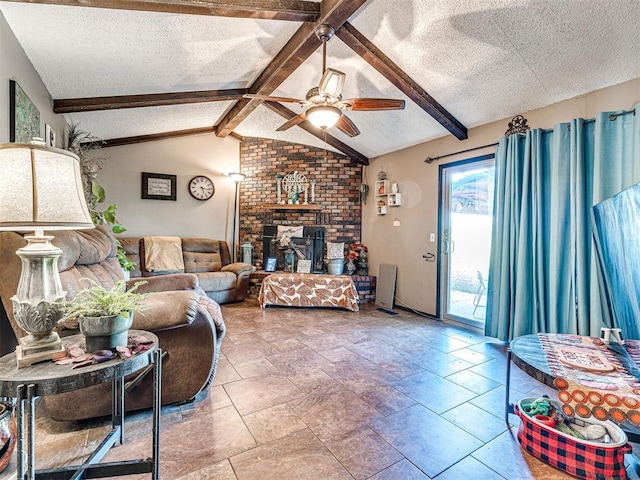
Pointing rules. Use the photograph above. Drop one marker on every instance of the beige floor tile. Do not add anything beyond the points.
(273, 423)
(299, 456)
(332, 411)
(363, 452)
(254, 394)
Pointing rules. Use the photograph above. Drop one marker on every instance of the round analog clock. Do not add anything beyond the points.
(201, 188)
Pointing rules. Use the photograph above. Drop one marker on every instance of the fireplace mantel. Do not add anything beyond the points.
(275, 206)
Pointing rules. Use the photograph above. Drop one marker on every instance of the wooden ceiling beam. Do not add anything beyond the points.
(73, 105)
(285, 112)
(291, 10)
(392, 72)
(299, 47)
(116, 142)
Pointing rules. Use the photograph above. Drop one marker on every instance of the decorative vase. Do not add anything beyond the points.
(7, 434)
(351, 267)
(335, 266)
(105, 333)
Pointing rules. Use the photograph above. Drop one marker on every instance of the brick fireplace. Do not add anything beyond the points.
(337, 205)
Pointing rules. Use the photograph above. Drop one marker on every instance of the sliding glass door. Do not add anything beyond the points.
(465, 239)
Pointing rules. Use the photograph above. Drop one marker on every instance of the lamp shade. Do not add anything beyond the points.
(323, 116)
(41, 187)
(237, 176)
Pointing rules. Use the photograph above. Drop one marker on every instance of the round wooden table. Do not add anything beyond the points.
(46, 378)
(527, 353)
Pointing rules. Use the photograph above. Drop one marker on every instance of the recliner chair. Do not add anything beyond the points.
(189, 325)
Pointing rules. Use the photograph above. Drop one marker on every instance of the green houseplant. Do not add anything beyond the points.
(88, 149)
(105, 315)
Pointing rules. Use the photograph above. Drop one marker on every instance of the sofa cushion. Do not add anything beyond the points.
(168, 310)
(131, 247)
(201, 255)
(105, 273)
(83, 247)
(217, 281)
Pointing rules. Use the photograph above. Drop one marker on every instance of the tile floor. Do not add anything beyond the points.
(327, 394)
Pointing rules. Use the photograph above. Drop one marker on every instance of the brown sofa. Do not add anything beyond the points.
(188, 324)
(208, 259)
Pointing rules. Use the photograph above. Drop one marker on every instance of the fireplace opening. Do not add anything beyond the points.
(310, 245)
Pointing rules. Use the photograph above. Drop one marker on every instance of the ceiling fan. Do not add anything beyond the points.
(324, 103)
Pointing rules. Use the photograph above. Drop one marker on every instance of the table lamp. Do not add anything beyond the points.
(40, 189)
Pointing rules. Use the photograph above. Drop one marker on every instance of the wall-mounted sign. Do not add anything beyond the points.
(158, 186)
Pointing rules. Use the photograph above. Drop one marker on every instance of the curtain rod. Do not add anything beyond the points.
(612, 117)
(433, 159)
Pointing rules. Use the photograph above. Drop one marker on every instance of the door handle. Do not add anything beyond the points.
(445, 247)
(453, 246)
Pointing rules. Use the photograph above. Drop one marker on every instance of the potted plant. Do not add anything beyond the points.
(105, 315)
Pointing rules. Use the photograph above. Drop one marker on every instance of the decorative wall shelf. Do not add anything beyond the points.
(394, 200)
(292, 207)
(382, 188)
(386, 197)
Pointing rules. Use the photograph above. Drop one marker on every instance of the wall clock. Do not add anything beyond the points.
(201, 188)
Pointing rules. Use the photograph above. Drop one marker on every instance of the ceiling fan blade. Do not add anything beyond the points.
(292, 122)
(346, 126)
(364, 104)
(331, 83)
(272, 99)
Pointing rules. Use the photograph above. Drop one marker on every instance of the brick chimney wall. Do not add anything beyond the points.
(336, 191)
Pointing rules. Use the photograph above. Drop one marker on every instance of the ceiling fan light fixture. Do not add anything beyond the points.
(331, 83)
(323, 116)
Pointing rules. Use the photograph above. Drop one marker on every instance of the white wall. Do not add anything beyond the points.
(186, 157)
(418, 182)
(15, 65)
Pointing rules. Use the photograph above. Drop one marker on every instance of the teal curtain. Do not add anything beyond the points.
(543, 274)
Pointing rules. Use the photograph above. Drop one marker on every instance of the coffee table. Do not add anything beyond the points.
(309, 290)
(47, 378)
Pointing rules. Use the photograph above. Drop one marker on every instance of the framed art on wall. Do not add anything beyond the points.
(24, 118)
(49, 135)
(158, 186)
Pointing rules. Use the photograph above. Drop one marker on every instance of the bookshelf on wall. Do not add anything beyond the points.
(387, 195)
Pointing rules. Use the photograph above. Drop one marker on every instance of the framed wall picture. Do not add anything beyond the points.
(49, 135)
(158, 186)
(270, 266)
(24, 117)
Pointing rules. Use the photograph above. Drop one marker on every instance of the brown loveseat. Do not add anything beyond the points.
(188, 324)
(208, 259)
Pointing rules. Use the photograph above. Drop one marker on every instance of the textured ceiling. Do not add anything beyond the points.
(482, 60)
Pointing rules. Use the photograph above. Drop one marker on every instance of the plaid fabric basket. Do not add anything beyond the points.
(580, 458)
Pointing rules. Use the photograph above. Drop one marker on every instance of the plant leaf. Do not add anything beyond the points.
(98, 192)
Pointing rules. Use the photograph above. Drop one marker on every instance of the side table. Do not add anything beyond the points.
(26, 384)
